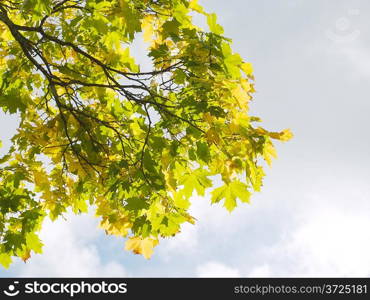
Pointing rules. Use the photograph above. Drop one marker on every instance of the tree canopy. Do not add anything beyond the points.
(96, 130)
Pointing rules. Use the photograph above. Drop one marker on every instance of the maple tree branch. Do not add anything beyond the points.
(147, 97)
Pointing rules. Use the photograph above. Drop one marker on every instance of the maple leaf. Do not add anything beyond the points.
(26, 256)
(141, 246)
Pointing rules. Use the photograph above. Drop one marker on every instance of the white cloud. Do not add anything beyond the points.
(260, 271)
(70, 251)
(216, 269)
(331, 243)
(331, 237)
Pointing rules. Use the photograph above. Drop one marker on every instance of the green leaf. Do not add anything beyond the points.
(12, 102)
(136, 203)
(203, 151)
(218, 194)
(231, 192)
(240, 190)
(230, 201)
(213, 26)
(171, 28)
(181, 199)
(34, 243)
(149, 163)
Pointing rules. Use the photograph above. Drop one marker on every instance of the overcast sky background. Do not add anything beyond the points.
(312, 68)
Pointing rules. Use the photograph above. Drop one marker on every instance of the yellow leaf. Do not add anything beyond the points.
(147, 27)
(103, 207)
(246, 85)
(195, 6)
(166, 159)
(147, 246)
(170, 180)
(134, 245)
(208, 118)
(234, 127)
(40, 178)
(190, 219)
(285, 135)
(119, 227)
(241, 97)
(26, 256)
(247, 68)
(269, 152)
(141, 246)
(213, 136)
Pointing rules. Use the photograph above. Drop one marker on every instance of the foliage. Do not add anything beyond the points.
(96, 130)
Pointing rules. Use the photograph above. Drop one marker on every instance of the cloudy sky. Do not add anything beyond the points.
(312, 67)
